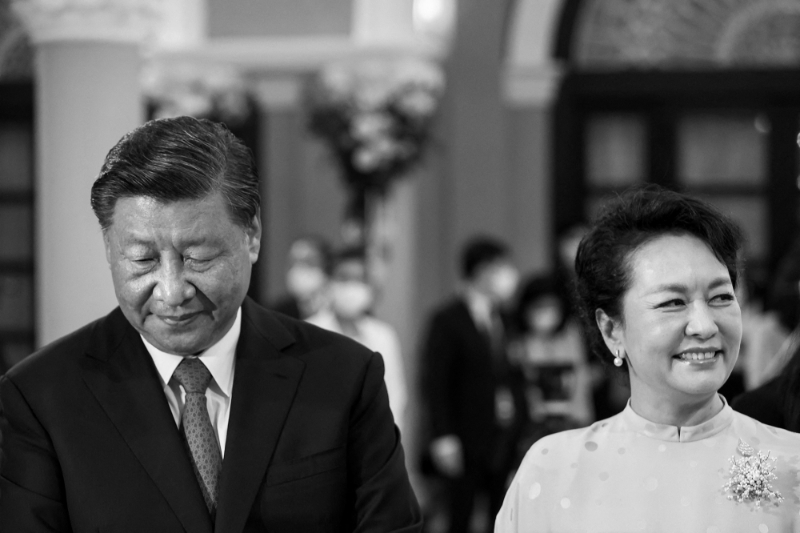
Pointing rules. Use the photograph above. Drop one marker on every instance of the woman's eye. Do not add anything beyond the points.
(723, 298)
(676, 302)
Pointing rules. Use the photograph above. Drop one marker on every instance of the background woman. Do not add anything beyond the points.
(656, 278)
(551, 352)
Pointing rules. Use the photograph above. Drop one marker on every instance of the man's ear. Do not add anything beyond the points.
(107, 244)
(611, 329)
(254, 236)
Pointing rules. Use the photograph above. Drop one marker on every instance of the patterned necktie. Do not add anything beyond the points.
(197, 428)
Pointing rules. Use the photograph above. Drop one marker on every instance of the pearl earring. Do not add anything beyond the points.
(617, 359)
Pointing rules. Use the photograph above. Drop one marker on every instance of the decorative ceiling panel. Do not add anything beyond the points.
(687, 33)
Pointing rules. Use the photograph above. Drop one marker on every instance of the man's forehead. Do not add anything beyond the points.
(140, 218)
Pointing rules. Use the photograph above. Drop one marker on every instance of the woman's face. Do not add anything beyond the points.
(681, 325)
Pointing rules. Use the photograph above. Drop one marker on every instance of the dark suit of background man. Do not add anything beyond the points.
(94, 438)
(474, 397)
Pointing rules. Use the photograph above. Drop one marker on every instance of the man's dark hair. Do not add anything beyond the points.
(181, 158)
(638, 216)
(480, 251)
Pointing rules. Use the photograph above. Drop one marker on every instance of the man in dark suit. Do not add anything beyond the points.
(189, 407)
(474, 397)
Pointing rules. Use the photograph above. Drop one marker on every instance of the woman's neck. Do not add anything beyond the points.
(668, 411)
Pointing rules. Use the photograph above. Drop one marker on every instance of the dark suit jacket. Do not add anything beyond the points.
(765, 403)
(460, 378)
(90, 444)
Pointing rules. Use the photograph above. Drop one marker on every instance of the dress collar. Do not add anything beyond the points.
(666, 432)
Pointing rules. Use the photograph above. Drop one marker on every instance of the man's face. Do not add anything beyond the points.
(180, 269)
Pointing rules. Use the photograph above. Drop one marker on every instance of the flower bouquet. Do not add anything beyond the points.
(375, 116)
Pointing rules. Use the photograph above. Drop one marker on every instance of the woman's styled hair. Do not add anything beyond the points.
(603, 263)
(174, 159)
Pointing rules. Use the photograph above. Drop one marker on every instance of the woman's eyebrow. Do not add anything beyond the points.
(679, 287)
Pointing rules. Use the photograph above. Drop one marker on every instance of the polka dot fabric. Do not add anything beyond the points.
(627, 474)
(193, 375)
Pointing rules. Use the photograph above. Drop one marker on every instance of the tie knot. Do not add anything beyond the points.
(193, 375)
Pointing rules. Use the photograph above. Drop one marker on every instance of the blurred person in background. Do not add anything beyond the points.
(776, 401)
(763, 340)
(609, 394)
(309, 263)
(350, 298)
(551, 351)
(473, 395)
(783, 325)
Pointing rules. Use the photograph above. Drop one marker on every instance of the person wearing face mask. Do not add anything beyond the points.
(350, 298)
(306, 278)
(473, 394)
(550, 350)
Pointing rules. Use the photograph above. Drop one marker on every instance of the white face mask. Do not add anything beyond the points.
(303, 281)
(504, 283)
(350, 299)
(544, 319)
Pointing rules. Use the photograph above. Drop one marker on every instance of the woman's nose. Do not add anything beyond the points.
(701, 321)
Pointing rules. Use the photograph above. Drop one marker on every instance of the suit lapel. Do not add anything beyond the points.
(264, 386)
(469, 326)
(121, 375)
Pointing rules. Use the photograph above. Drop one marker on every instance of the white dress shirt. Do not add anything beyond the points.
(480, 310)
(220, 359)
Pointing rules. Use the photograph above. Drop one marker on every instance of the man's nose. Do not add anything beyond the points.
(171, 287)
(701, 321)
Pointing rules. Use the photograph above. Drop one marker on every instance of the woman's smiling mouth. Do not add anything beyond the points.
(699, 357)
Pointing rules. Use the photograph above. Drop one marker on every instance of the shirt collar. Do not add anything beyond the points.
(666, 432)
(479, 305)
(219, 359)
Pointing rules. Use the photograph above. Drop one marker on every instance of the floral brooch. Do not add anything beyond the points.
(751, 477)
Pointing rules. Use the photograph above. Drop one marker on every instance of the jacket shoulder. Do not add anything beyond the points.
(300, 339)
(57, 356)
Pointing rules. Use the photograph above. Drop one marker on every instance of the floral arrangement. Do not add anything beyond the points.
(751, 475)
(375, 116)
(214, 92)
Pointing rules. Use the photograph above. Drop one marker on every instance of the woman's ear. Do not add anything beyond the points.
(611, 329)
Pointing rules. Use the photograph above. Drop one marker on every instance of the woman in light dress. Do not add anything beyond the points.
(656, 278)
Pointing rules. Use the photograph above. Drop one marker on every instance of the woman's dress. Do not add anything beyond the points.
(626, 474)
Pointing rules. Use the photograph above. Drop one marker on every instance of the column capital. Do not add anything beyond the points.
(88, 20)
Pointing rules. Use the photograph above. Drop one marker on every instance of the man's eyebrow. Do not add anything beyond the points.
(679, 287)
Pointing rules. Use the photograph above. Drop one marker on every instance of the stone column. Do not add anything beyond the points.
(529, 91)
(87, 96)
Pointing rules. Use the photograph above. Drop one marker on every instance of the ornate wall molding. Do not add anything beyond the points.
(687, 33)
(88, 20)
